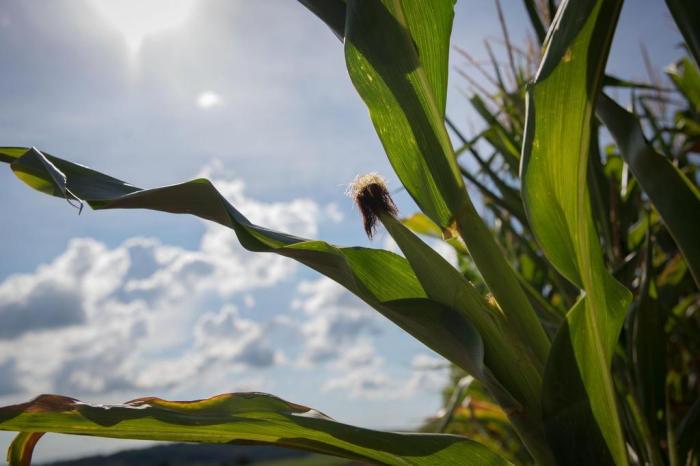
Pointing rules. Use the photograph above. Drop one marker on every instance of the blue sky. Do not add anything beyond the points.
(108, 306)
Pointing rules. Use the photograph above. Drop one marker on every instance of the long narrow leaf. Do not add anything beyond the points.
(505, 356)
(22, 447)
(382, 279)
(671, 192)
(248, 418)
(686, 13)
(580, 408)
(397, 55)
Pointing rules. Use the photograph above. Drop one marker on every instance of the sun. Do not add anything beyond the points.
(136, 19)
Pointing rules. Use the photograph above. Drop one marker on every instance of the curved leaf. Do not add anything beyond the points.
(248, 418)
(22, 447)
(686, 13)
(578, 389)
(675, 197)
(331, 12)
(380, 278)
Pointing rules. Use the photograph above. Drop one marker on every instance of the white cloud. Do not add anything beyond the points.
(334, 320)
(339, 332)
(99, 319)
(366, 375)
(146, 316)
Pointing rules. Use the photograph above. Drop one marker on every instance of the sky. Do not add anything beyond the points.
(109, 306)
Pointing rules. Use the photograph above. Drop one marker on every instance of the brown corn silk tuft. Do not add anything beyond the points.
(372, 197)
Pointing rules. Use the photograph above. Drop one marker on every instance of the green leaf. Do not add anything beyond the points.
(580, 410)
(397, 55)
(499, 137)
(674, 196)
(381, 278)
(686, 13)
(686, 77)
(247, 418)
(506, 356)
(421, 224)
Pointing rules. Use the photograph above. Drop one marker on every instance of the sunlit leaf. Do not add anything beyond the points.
(247, 418)
(397, 56)
(686, 76)
(580, 409)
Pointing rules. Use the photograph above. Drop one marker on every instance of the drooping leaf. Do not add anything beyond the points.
(331, 12)
(380, 278)
(248, 418)
(580, 409)
(673, 195)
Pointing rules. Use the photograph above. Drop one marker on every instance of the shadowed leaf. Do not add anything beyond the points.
(673, 195)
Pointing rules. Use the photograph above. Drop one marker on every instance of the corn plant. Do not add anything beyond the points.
(539, 326)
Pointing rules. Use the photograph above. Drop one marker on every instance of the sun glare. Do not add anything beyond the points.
(208, 99)
(136, 19)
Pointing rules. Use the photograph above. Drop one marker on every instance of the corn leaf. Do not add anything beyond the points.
(382, 279)
(331, 12)
(396, 53)
(675, 197)
(580, 410)
(22, 447)
(686, 76)
(248, 418)
(518, 382)
(686, 13)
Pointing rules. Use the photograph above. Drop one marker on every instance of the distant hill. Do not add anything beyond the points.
(182, 454)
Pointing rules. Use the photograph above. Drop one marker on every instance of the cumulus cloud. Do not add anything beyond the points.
(146, 317)
(145, 314)
(334, 320)
(369, 377)
(8, 382)
(339, 332)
